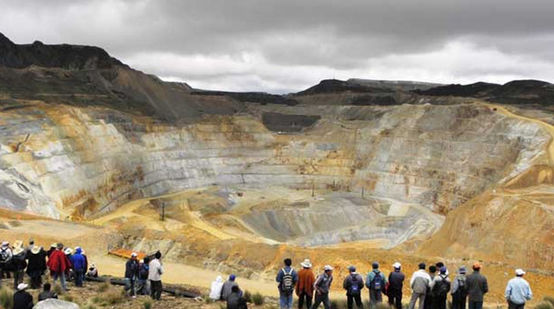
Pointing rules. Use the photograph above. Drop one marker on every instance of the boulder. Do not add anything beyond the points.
(55, 304)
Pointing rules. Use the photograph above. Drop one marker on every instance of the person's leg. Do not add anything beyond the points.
(317, 301)
(301, 300)
(379, 296)
(372, 299)
(421, 301)
(413, 300)
(358, 299)
(463, 302)
(62, 281)
(290, 300)
(349, 301)
(282, 300)
(326, 301)
(133, 287)
(309, 301)
(160, 288)
(152, 289)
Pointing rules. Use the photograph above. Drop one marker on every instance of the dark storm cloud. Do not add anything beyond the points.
(251, 44)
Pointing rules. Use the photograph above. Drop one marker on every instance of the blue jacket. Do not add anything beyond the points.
(78, 260)
(518, 291)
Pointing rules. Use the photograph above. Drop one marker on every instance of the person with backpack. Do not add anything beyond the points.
(429, 297)
(353, 284)
(18, 263)
(143, 284)
(305, 285)
(375, 282)
(155, 272)
(287, 279)
(459, 289)
(518, 291)
(396, 282)
(131, 274)
(419, 283)
(322, 286)
(477, 287)
(6, 255)
(440, 286)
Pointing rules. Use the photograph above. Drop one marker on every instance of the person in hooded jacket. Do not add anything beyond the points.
(228, 286)
(36, 258)
(375, 282)
(58, 265)
(459, 289)
(396, 282)
(215, 289)
(353, 284)
(18, 263)
(78, 263)
(440, 286)
(143, 283)
(6, 255)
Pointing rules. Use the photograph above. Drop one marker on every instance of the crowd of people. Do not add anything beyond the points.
(430, 287)
(62, 262)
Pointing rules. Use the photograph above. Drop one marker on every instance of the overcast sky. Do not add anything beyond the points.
(287, 45)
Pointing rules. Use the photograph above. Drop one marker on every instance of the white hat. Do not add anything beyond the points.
(22, 286)
(5, 243)
(134, 254)
(520, 272)
(306, 263)
(35, 249)
(68, 251)
(327, 267)
(397, 265)
(18, 250)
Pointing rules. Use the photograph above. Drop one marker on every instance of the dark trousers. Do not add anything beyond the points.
(4, 272)
(36, 280)
(79, 278)
(439, 302)
(322, 298)
(475, 305)
(429, 300)
(459, 301)
(17, 277)
(304, 298)
(515, 306)
(375, 297)
(156, 289)
(350, 299)
(395, 299)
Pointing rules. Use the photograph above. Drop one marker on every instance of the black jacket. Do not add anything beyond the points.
(477, 286)
(396, 281)
(22, 300)
(352, 279)
(37, 262)
(236, 301)
(132, 269)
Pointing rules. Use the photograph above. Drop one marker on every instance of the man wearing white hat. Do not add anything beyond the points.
(131, 274)
(305, 285)
(5, 260)
(22, 298)
(322, 287)
(396, 282)
(518, 291)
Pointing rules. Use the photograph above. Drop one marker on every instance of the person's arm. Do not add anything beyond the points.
(508, 291)
(316, 283)
(279, 277)
(160, 269)
(485, 286)
(368, 280)
(529, 295)
(295, 277)
(412, 280)
(384, 278)
(345, 283)
(454, 286)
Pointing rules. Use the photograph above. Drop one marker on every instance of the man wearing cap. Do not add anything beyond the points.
(375, 282)
(226, 290)
(6, 255)
(477, 287)
(58, 264)
(396, 282)
(419, 283)
(518, 291)
(21, 298)
(36, 258)
(353, 284)
(287, 279)
(459, 289)
(131, 274)
(322, 286)
(305, 285)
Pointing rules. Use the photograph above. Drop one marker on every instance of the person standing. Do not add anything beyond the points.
(6, 255)
(322, 286)
(477, 287)
(518, 291)
(459, 289)
(131, 274)
(305, 285)
(58, 265)
(79, 266)
(228, 286)
(353, 284)
(375, 282)
(144, 284)
(419, 283)
(18, 264)
(155, 276)
(22, 299)
(429, 297)
(287, 279)
(440, 286)
(396, 282)
(36, 258)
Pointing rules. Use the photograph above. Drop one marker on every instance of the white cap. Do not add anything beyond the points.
(22, 286)
(5, 243)
(327, 267)
(397, 265)
(520, 272)
(134, 254)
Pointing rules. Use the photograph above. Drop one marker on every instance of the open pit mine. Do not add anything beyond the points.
(96, 154)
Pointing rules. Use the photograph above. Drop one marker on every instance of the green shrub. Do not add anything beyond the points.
(114, 298)
(58, 289)
(247, 296)
(549, 299)
(545, 305)
(258, 299)
(96, 299)
(147, 304)
(6, 298)
(68, 298)
(103, 287)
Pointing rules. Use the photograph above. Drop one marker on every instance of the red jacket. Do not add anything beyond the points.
(58, 262)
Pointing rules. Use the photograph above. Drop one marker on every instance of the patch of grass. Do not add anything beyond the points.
(58, 289)
(6, 298)
(114, 298)
(68, 298)
(247, 296)
(96, 299)
(545, 305)
(90, 307)
(103, 287)
(382, 306)
(147, 304)
(258, 299)
(549, 299)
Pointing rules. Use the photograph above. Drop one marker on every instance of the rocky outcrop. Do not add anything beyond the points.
(55, 304)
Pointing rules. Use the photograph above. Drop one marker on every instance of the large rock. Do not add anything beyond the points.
(55, 304)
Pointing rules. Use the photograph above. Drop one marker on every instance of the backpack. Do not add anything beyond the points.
(354, 286)
(4, 255)
(441, 288)
(287, 282)
(143, 272)
(377, 283)
(462, 286)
